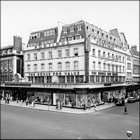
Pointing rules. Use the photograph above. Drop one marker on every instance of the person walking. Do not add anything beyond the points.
(125, 106)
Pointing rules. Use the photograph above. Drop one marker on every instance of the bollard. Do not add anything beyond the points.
(129, 134)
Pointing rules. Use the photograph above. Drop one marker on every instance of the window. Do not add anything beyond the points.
(104, 66)
(78, 37)
(59, 53)
(123, 68)
(42, 66)
(49, 33)
(99, 53)
(72, 29)
(99, 65)
(67, 52)
(67, 65)
(75, 51)
(28, 57)
(65, 30)
(75, 65)
(120, 58)
(113, 56)
(50, 54)
(42, 55)
(35, 67)
(79, 27)
(103, 54)
(93, 52)
(28, 67)
(93, 65)
(108, 55)
(69, 38)
(129, 66)
(50, 66)
(123, 59)
(120, 68)
(112, 67)
(59, 66)
(35, 56)
(108, 67)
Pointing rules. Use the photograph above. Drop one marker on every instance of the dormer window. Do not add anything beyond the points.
(110, 38)
(71, 29)
(65, 30)
(97, 32)
(79, 27)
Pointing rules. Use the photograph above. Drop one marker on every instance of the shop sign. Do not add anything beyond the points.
(101, 73)
(94, 73)
(114, 73)
(107, 84)
(108, 73)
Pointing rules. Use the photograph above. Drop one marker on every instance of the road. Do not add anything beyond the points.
(26, 123)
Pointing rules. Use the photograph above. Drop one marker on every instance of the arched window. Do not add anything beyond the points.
(67, 65)
(28, 67)
(42, 66)
(35, 67)
(59, 66)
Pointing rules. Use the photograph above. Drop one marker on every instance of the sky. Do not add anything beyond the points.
(23, 17)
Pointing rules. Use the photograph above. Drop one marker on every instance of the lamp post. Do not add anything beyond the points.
(129, 134)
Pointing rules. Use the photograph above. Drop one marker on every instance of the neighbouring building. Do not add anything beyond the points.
(136, 67)
(11, 60)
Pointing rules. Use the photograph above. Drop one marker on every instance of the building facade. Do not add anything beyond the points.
(11, 60)
(81, 62)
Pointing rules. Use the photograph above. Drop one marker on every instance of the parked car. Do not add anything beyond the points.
(131, 99)
(119, 102)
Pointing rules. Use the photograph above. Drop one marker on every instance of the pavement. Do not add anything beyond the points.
(64, 109)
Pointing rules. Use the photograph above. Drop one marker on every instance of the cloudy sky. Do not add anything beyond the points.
(23, 17)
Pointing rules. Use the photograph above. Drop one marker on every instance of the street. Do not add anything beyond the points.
(111, 123)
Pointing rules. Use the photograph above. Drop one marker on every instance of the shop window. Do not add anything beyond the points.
(79, 78)
(92, 78)
(97, 78)
(61, 79)
(102, 79)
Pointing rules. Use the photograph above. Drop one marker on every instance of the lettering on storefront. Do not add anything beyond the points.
(114, 73)
(101, 73)
(94, 73)
(108, 73)
(107, 84)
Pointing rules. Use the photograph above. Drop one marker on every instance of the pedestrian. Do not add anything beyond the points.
(27, 101)
(125, 106)
(17, 100)
(48, 101)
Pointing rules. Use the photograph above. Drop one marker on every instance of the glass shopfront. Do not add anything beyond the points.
(43, 98)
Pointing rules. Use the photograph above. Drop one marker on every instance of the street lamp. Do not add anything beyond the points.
(129, 134)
